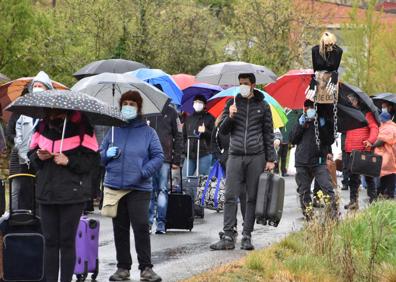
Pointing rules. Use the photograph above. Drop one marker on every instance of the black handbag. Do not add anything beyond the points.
(366, 163)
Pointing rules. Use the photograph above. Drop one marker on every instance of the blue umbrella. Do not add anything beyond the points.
(189, 93)
(157, 77)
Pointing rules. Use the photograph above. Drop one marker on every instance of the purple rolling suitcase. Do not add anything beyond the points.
(87, 247)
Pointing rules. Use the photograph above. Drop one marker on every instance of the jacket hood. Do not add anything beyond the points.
(43, 78)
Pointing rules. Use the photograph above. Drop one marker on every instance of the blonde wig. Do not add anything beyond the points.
(327, 42)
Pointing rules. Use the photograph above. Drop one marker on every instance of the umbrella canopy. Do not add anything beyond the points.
(216, 105)
(289, 89)
(184, 80)
(346, 89)
(3, 78)
(108, 87)
(157, 77)
(350, 118)
(111, 65)
(35, 105)
(227, 73)
(189, 93)
(13, 89)
(388, 97)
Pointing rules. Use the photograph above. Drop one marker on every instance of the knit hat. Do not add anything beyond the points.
(200, 98)
(384, 117)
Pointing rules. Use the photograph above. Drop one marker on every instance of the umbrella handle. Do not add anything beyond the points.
(63, 135)
(112, 135)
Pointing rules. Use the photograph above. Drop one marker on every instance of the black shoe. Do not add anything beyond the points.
(344, 187)
(352, 206)
(225, 243)
(246, 243)
(149, 275)
(120, 275)
(285, 174)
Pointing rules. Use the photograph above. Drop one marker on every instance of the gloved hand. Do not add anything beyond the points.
(112, 152)
(301, 120)
(322, 122)
(310, 93)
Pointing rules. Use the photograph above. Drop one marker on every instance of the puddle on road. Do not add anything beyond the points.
(175, 253)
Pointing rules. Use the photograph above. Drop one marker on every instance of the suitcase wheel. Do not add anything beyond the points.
(95, 274)
(81, 277)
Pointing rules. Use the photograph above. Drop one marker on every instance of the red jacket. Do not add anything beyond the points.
(354, 138)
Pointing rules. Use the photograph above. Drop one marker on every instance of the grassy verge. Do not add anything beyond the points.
(362, 247)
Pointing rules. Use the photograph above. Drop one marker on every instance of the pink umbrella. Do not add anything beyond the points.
(184, 80)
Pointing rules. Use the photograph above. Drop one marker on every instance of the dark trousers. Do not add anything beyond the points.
(387, 186)
(282, 156)
(133, 209)
(59, 225)
(354, 183)
(345, 169)
(304, 177)
(242, 171)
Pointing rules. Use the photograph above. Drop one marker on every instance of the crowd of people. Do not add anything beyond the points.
(137, 160)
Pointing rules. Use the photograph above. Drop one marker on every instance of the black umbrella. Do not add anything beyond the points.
(388, 97)
(111, 65)
(350, 118)
(346, 89)
(98, 112)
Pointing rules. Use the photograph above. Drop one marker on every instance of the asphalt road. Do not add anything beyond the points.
(181, 254)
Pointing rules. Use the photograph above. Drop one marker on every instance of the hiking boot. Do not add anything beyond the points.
(149, 275)
(246, 243)
(120, 275)
(344, 187)
(160, 228)
(352, 206)
(225, 243)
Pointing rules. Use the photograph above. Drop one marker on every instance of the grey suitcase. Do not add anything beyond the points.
(270, 198)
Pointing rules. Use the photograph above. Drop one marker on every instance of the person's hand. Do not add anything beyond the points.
(367, 144)
(43, 154)
(270, 166)
(331, 87)
(61, 159)
(276, 144)
(233, 110)
(330, 157)
(301, 120)
(201, 129)
(322, 121)
(310, 93)
(112, 152)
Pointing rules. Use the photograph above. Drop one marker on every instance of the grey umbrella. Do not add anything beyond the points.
(35, 105)
(111, 65)
(227, 73)
(388, 97)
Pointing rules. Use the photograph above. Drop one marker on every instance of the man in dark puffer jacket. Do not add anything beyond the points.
(249, 121)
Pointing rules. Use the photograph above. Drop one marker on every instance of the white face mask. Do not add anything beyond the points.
(244, 90)
(37, 89)
(198, 106)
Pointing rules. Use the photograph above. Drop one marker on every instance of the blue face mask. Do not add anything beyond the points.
(311, 113)
(129, 112)
(384, 110)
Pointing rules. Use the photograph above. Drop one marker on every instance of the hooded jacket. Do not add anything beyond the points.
(69, 184)
(140, 157)
(387, 134)
(355, 137)
(43, 78)
(251, 128)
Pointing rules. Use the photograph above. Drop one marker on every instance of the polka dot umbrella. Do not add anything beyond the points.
(36, 104)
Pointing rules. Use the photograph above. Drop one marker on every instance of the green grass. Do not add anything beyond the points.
(362, 247)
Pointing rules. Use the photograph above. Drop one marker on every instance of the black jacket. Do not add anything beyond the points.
(307, 152)
(251, 128)
(190, 128)
(220, 146)
(168, 128)
(69, 184)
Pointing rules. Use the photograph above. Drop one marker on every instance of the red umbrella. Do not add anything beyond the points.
(184, 80)
(216, 106)
(289, 89)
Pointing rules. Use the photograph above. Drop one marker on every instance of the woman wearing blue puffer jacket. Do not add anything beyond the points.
(130, 161)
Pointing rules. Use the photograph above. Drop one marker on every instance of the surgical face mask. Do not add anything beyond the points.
(129, 112)
(198, 106)
(244, 90)
(384, 110)
(311, 113)
(38, 89)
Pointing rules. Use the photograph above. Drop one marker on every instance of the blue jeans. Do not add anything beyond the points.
(159, 196)
(204, 166)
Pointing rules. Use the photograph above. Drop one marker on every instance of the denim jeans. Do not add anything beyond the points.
(159, 196)
(204, 166)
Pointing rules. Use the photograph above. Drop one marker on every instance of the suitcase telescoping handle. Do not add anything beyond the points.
(11, 178)
(192, 137)
(170, 179)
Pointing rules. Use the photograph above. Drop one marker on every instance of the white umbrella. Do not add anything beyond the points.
(227, 73)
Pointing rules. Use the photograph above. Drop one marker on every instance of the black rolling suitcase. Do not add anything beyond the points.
(180, 212)
(22, 241)
(270, 197)
(191, 183)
